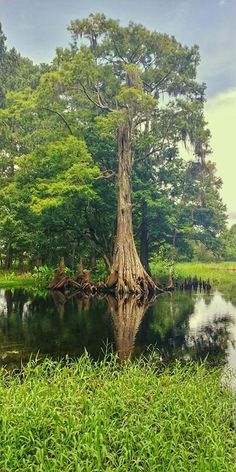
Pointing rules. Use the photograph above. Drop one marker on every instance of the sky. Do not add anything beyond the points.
(37, 27)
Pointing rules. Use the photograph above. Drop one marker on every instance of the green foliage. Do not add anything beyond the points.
(42, 276)
(13, 280)
(57, 172)
(99, 272)
(58, 150)
(16, 72)
(105, 416)
(228, 243)
(164, 261)
(203, 254)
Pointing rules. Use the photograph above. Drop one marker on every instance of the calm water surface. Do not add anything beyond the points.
(184, 325)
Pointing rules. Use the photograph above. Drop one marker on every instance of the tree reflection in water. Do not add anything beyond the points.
(211, 342)
(165, 324)
(168, 325)
(127, 314)
(184, 326)
(60, 301)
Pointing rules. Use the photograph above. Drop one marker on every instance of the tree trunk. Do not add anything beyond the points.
(92, 263)
(21, 264)
(72, 255)
(144, 250)
(130, 274)
(8, 258)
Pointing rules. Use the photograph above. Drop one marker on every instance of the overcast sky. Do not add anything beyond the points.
(37, 27)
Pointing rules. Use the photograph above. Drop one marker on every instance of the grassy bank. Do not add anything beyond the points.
(14, 280)
(222, 275)
(219, 273)
(103, 417)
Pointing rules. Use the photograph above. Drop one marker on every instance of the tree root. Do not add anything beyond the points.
(117, 283)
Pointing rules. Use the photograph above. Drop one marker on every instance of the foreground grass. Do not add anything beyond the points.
(103, 417)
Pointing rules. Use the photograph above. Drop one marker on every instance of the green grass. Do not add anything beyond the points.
(82, 416)
(220, 274)
(14, 280)
(217, 272)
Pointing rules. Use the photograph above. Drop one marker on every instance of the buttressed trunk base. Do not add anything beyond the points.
(127, 269)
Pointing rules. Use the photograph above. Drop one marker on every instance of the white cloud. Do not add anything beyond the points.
(221, 116)
(221, 3)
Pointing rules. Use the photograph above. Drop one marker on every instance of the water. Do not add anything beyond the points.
(183, 325)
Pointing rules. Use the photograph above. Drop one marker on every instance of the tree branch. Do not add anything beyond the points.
(106, 175)
(98, 105)
(117, 52)
(62, 118)
(161, 146)
(155, 86)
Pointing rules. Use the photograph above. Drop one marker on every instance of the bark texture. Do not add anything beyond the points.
(127, 267)
(144, 249)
